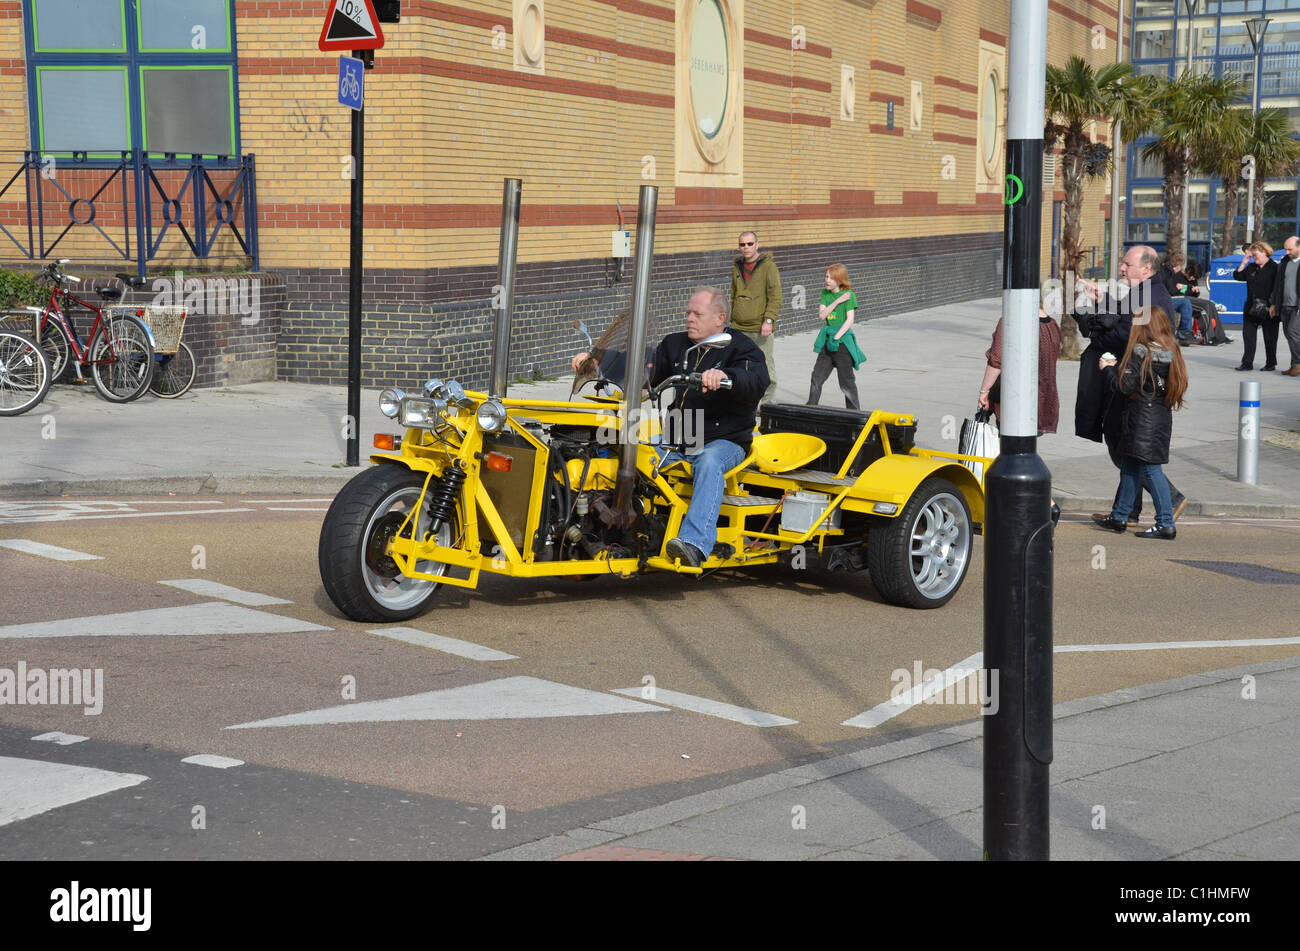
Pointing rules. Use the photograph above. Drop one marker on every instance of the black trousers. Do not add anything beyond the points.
(843, 364)
(1112, 432)
(1249, 331)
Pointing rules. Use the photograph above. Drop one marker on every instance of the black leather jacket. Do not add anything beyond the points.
(728, 414)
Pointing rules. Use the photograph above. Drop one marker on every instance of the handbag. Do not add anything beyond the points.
(1256, 309)
(979, 437)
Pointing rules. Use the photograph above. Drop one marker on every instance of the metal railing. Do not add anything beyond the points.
(212, 194)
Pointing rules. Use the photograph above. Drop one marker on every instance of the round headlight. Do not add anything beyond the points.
(432, 386)
(491, 416)
(390, 402)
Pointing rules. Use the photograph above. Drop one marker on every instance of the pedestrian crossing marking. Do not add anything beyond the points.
(448, 645)
(53, 552)
(30, 787)
(712, 708)
(510, 698)
(215, 589)
(208, 618)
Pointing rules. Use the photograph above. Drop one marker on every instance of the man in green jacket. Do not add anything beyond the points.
(756, 300)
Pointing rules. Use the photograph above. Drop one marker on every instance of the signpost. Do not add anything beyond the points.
(353, 25)
(352, 78)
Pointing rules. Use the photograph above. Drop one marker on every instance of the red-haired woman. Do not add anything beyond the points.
(836, 346)
(1151, 379)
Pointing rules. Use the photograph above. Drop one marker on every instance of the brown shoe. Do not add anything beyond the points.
(1294, 371)
(1102, 517)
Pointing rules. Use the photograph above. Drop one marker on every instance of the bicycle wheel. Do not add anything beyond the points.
(174, 373)
(54, 341)
(121, 358)
(24, 374)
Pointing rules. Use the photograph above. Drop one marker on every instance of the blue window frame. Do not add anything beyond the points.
(108, 76)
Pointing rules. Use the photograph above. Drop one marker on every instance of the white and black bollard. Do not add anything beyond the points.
(1248, 433)
(1018, 526)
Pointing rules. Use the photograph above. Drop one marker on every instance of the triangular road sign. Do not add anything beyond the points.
(351, 25)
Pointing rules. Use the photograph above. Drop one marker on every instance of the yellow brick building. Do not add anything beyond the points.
(862, 131)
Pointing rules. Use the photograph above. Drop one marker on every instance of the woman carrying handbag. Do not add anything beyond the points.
(1151, 379)
(1258, 270)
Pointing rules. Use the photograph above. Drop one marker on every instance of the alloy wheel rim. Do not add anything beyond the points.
(939, 546)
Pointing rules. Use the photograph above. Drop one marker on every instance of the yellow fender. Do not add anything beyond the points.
(895, 478)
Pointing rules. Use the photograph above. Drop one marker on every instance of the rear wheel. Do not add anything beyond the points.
(24, 374)
(121, 356)
(360, 577)
(174, 374)
(919, 558)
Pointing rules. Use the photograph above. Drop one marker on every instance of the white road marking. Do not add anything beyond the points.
(46, 551)
(74, 516)
(192, 619)
(282, 501)
(210, 759)
(1179, 645)
(215, 589)
(448, 645)
(712, 708)
(63, 739)
(511, 698)
(272, 508)
(29, 787)
(893, 707)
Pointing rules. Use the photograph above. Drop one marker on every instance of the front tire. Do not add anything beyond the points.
(121, 357)
(362, 581)
(24, 374)
(919, 558)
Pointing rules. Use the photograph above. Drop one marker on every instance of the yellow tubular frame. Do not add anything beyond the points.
(892, 479)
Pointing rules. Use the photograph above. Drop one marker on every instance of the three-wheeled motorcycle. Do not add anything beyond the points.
(480, 482)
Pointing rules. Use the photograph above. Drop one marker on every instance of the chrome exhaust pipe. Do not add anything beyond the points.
(504, 293)
(645, 241)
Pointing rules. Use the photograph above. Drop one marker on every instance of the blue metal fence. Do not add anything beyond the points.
(213, 193)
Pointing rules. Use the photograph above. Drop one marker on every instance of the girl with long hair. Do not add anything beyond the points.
(1151, 378)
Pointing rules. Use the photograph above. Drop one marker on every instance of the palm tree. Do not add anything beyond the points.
(1184, 109)
(1076, 96)
(1218, 154)
(1276, 155)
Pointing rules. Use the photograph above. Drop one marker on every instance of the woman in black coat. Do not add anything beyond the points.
(1258, 270)
(1151, 380)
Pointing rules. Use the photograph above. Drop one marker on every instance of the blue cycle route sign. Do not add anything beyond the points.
(351, 81)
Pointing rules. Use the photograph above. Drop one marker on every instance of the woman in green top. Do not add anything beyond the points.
(835, 345)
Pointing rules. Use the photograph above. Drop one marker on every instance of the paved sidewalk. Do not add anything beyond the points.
(286, 437)
(1185, 769)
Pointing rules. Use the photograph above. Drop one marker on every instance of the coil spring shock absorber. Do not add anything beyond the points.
(442, 497)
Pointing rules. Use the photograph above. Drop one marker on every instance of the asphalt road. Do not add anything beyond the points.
(379, 747)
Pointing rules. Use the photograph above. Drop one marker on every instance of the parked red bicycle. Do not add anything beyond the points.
(120, 355)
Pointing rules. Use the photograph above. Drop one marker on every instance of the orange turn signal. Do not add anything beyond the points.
(388, 441)
(499, 462)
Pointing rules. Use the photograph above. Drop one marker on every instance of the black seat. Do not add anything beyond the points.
(131, 279)
(110, 293)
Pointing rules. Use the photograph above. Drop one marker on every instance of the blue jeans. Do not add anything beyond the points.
(1183, 307)
(708, 467)
(1132, 473)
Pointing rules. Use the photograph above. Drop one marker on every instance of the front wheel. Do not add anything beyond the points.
(359, 575)
(174, 374)
(24, 374)
(919, 558)
(121, 357)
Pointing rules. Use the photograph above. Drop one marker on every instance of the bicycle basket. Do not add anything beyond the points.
(165, 323)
